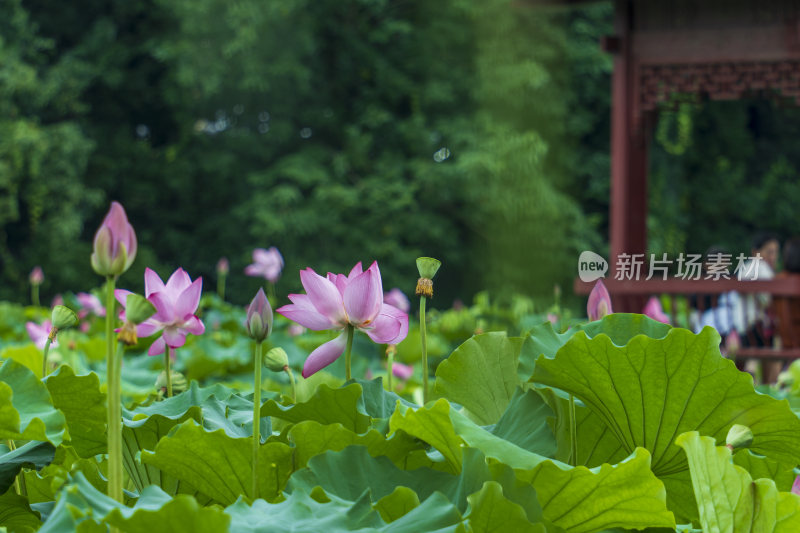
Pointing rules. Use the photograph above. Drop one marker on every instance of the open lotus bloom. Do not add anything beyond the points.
(599, 304)
(39, 333)
(90, 304)
(175, 303)
(266, 263)
(337, 301)
(654, 310)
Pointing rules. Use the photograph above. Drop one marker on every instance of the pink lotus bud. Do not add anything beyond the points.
(57, 300)
(796, 485)
(36, 276)
(114, 243)
(552, 318)
(399, 370)
(654, 310)
(295, 329)
(396, 298)
(223, 267)
(599, 302)
(259, 317)
(732, 343)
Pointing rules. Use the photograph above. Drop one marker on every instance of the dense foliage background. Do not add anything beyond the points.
(338, 131)
(335, 130)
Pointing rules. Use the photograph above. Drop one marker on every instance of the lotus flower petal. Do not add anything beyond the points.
(158, 347)
(152, 283)
(390, 327)
(174, 337)
(189, 299)
(324, 355)
(304, 313)
(178, 282)
(324, 295)
(363, 298)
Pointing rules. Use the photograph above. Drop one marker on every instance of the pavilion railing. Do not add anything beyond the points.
(686, 300)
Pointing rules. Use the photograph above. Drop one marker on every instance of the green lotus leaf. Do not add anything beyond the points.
(596, 443)
(619, 327)
(491, 511)
(217, 407)
(397, 504)
(623, 495)
(218, 465)
(525, 423)
(43, 486)
(727, 496)
(326, 406)
(84, 407)
(311, 438)
(760, 466)
(651, 390)
(481, 375)
(16, 515)
(34, 455)
(302, 513)
(26, 407)
(81, 507)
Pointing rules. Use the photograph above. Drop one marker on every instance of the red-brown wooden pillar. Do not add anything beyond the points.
(628, 217)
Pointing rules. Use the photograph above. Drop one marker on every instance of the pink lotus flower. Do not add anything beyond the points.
(796, 485)
(295, 329)
(396, 298)
(175, 305)
(552, 318)
(599, 304)
(39, 333)
(90, 304)
(654, 310)
(36, 277)
(338, 301)
(114, 243)
(399, 370)
(57, 300)
(266, 263)
(223, 266)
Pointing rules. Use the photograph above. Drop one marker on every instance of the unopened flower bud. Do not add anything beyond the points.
(114, 243)
(259, 317)
(223, 267)
(36, 277)
(63, 317)
(599, 304)
(138, 309)
(276, 359)
(739, 436)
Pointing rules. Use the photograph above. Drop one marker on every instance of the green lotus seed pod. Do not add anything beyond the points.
(276, 359)
(138, 309)
(739, 436)
(63, 317)
(428, 266)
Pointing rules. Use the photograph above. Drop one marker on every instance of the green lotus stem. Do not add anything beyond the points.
(11, 448)
(422, 336)
(113, 371)
(221, 286)
(389, 365)
(35, 294)
(291, 379)
(347, 352)
(573, 433)
(168, 351)
(256, 417)
(44, 357)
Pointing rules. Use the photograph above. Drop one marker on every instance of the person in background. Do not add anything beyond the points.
(756, 324)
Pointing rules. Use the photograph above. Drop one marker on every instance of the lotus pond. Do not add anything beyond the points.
(522, 421)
